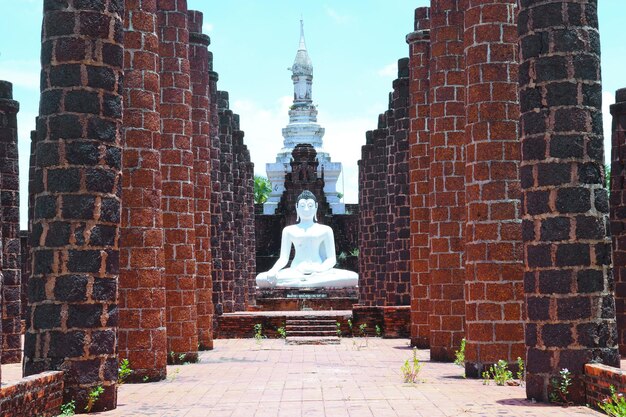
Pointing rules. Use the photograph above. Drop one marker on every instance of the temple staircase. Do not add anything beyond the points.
(311, 330)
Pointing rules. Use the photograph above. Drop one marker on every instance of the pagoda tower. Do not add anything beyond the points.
(303, 129)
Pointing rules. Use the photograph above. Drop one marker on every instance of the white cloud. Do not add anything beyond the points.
(336, 16)
(21, 73)
(389, 71)
(207, 27)
(608, 98)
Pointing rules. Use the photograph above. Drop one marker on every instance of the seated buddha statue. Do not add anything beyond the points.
(314, 260)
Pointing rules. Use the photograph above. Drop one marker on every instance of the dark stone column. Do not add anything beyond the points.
(419, 166)
(217, 273)
(73, 317)
(177, 161)
(567, 250)
(618, 211)
(398, 276)
(142, 335)
(199, 64)
(366, 221)
(447, 179)
(494, 291)
(10, 223)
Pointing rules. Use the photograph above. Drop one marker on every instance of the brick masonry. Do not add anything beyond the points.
(199, 63)
(73, 317)
(10, 223)
(494, 291)
(618, 211)
(142, 334)
(567, 249)
(598, 381)
(419, 169)
(177, 162)
(447, 179)
(38, 395)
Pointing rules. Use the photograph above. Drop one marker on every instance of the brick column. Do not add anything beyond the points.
(249, 230)
(397, 280)
(380, 203)
(199, 63)
(217, 274)
(142, 333)
(240, 289)
(366, 220)
(447, 179)
(226, 230)
(570, 307)
(618, 211)
(10, 223)
(177, 162)
(72, 324)
(494, 291)
(419, 166)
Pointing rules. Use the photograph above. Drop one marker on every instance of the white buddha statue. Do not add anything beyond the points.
(314, 261)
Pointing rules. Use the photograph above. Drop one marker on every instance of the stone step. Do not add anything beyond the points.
(306, 322)
(310, 327)
(312, 340)
(311, 333)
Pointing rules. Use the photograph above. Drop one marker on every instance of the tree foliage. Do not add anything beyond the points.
(262, 189)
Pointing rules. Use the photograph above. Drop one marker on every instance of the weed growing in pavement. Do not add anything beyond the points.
(615, 405)
(521, 374)
(338, 329)
(379, 331)
(459, 356)
(123, 372)
(93, 397)
(258, 333)
(410, 370)
(282, 332)
(68, 409)
(499, 372)
(560, 387)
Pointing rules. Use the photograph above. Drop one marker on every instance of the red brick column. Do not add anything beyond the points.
(142, 334)
(226, 227)
(618, 211)
(72, 324)
(366, 220)
(199, 63)
(494, 291)
(216, 194)
(240, 289)
(419, 166)
(570, 306)
(10, 224)
(398, 276)
(249, 230)
(177, 162)
(447, 179)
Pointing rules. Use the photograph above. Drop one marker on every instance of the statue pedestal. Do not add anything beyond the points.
(298, 299)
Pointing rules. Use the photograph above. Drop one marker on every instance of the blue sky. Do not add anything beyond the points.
(354, 46)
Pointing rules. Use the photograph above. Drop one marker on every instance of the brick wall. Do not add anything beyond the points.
(199, 63)
(419, 168)
(38, 395)
(142, 335)
(10, 223)
(177, 161)
(494, 292)
(72, 322)
(567, 250)
(598, 381)
(618, 205)
(447, 179)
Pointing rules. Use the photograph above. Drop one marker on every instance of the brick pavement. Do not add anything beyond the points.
(240, 378)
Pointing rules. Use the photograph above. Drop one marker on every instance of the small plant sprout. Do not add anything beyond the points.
(459, 355)
(282, 332)
(521, 375)
(93, 397)
(338, 329)
(68, 409)
(615, 405)
(499, 372)
(560, 387)
(145, 378)
(258, 333)
(123, 371)
(411, 369)
(379, 331)
(350, 325)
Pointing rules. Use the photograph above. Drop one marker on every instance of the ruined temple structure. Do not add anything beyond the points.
(135, 168)
(482, 208)
(504, 213)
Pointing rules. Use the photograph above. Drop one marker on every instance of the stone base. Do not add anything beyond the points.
(305, 299)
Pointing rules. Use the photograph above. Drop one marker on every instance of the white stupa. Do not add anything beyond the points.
(303, 128)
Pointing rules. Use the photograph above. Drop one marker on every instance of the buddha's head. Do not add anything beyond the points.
(306, 206)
